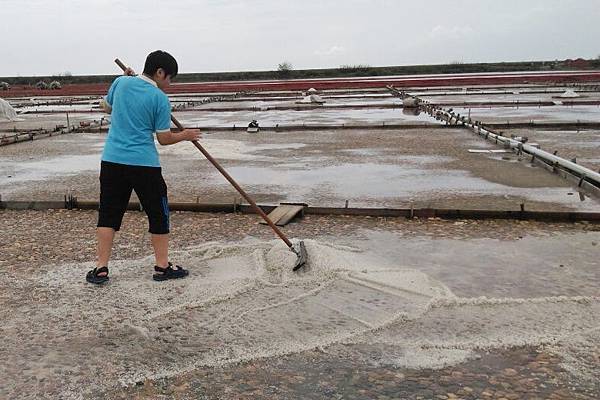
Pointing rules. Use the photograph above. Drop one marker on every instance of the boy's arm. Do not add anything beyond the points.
(162, 126)
(167, 138)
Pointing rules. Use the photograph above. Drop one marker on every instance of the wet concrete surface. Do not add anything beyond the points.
(259, 104)
(582, 145)
(47, 121)
(536, 114)
(48, 159)
(306, 117)
(89, 107)
(326, 168)
(519, 97)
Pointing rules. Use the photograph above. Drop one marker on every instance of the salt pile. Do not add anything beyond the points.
(7, 112)
(569, 94)
(311, 99)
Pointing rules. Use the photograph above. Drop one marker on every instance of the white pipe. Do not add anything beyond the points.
(583, 172)
(450, 117)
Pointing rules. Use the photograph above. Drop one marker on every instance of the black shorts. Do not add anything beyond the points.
(116, 183)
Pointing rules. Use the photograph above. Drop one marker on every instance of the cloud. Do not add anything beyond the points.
(454, 32)
(332, 51)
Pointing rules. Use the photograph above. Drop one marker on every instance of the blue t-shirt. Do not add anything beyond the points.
(139, 109)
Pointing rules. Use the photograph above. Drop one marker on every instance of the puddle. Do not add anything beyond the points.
(539, 114)
(308, 117)
(330, 185)
(498, 97)
(229, 149)
(362, 180)
(61, 107)
(25, 171)
(569, 139)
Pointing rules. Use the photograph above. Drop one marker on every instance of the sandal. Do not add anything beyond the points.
(93, 277)
(169, 272)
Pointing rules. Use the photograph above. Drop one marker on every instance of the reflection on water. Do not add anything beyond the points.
(307, 117)
(327, 184)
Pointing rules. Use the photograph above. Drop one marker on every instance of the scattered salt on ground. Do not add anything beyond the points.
(243, 302)
(580, 355)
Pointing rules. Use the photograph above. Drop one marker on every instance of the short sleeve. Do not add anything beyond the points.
(162, 122)
(111, 91)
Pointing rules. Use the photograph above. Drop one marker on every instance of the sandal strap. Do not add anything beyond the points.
(165, 269)
(100, 270)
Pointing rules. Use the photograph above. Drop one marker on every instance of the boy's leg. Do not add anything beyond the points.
(151, 189)
(160, 243)
(105, 238)
(115, 191)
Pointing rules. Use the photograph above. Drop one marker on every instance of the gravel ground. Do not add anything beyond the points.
(523, 373)
(31, 242)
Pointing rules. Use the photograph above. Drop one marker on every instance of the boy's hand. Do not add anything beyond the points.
(129, 72)
(191, 134)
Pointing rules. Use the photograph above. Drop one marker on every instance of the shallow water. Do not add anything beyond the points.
(504, 97)
(307, 117)
(230, 149)
(325, 185)
(32, 170)
(538, 114)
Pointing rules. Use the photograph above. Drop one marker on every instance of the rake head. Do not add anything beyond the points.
(302, 256)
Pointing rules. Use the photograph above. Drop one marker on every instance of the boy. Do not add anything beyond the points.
(139, 109)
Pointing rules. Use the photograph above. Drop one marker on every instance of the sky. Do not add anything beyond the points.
(84, 37)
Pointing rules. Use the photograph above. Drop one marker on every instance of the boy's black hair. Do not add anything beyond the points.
(160, 59)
